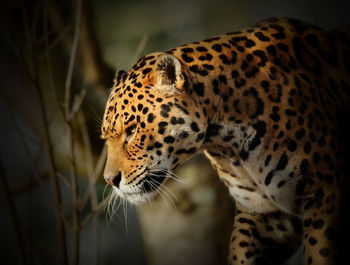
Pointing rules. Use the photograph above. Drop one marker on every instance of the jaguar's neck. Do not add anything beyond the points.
(224, 81)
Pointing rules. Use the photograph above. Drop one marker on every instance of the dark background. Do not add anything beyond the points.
(122, 31)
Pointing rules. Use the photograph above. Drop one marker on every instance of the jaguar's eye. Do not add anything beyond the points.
(130, 131)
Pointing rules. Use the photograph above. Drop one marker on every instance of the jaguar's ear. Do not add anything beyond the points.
(168, 74)
(119, 76)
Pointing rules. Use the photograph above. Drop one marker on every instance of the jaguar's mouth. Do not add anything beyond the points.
(147, 187)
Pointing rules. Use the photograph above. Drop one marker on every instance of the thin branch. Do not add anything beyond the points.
(97, 171)
(69, 76)
(64, 180)
(34, 20)
(101, 162)
(37, 179)
(92, 181)
(54, 180)
(28, 37)
(84, 200)
(50, 33)
(78, 100)
(75, 199)
(29, 183)
(140, 47)
(31, 71)
(70, 108)
(54, 43)
(34, 164)
(74, 181)
(99, 208)
(92, 65)
(13, 215)
(96, 70)
(5, 124)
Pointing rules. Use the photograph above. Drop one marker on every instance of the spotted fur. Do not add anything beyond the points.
(268, 106)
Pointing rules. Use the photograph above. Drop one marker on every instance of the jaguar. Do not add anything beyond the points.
(268, 105)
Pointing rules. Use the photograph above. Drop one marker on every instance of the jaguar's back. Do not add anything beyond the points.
(268, 105)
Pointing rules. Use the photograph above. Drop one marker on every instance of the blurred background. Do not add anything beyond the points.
(57, 64)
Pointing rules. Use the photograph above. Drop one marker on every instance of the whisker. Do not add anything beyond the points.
(147, 198)
(112, 206)
(125, 214)
(176, 176)
(99, 119)
(170, 192)
(167, 195)
(170, 175)
(154, 164)
(161, 184)
(111, 209)
(109, 204)
(158, 191)
(170, 172)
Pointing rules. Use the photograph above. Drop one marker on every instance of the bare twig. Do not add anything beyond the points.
(34, 164)
(78, 100)
(96, 70)
(13, 215)
(31, 57)
(30, 68)
(97, 172)
(28, 37)
(92, 65)
(99, 208)
(49, 65)
(140, 47)
(5, 124)
(37, 179)
(54, 43)
(35, 18)
(92, 181)
(91, 192)
(69, 76)
(84, 200)
(53, 176)
(101, 161)
(64, 180)
(49, 32)
(75, 196)
(68, 118)
(28, 184)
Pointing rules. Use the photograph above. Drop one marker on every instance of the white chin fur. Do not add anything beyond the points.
(136, 198)
(140, 198)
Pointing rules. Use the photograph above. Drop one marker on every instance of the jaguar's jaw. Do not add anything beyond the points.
(136, 197)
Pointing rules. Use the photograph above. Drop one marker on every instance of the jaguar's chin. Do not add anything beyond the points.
(138, 198)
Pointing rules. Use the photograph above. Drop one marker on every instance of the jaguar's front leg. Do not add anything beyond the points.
(263, 238)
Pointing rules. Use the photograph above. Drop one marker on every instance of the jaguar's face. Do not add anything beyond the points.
(149, 132)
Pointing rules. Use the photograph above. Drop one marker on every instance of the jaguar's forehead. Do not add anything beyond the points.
(132, 98)
(139, 75)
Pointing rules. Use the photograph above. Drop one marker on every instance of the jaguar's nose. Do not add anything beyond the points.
(114, 180)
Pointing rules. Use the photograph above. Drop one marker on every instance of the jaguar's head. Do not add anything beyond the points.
(151, 124)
